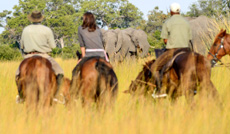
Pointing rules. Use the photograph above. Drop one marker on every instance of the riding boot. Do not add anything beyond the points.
(60, 79)
(158, 80)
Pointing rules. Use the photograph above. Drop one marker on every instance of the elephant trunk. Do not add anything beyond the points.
(144, 46)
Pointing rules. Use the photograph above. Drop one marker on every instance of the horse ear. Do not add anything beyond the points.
(222, 33)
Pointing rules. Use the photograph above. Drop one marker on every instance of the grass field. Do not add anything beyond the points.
(128, 115)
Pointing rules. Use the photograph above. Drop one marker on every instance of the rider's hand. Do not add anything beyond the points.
(79, 60)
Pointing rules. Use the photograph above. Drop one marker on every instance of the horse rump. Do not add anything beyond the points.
(94, 80)
(37, 81)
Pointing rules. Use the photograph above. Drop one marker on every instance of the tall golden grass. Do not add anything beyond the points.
(127, 116)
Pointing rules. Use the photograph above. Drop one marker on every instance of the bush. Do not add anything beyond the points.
(155, 40)
(67, 52)
(8, 53)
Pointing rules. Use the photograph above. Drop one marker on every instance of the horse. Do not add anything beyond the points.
(220, 47)
(94, 81)
(188, 70)
(37, 83)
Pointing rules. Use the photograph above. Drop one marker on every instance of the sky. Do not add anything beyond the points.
(147, 5)
(143, 5)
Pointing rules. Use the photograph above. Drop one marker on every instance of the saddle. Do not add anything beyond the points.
(167, 67)
(169, 64)
(80, 64)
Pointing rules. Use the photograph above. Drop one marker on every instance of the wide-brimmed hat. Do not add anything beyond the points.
(175, 7)
(35, 16)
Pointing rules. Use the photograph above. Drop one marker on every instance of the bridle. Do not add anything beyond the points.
(215, 59)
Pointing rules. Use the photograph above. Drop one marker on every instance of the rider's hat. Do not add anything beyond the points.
(175, 7)
(35, 16)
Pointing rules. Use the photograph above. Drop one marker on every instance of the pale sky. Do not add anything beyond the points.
(143, 5)
(146, 5)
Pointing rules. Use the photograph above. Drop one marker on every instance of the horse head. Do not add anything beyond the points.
(220, 47)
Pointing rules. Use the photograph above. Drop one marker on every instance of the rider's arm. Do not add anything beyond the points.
(83, 52)
(164, 33)
(50, 38)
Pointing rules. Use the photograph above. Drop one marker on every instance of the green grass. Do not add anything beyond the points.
(128, 115)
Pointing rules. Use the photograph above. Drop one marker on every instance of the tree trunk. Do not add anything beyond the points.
(62, 42)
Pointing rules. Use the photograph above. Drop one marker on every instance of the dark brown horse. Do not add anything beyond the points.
(37, 82)
(187, 72)
(93, 80)
(220, 47)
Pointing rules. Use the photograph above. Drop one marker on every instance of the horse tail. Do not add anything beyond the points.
(107, 83)
(39, 81)
(30, 82)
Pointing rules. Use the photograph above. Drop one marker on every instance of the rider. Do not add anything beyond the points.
(177, 34)
(38, 40)
(90, 37)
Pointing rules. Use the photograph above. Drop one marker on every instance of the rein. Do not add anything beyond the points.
(143, 82)
(213, 61)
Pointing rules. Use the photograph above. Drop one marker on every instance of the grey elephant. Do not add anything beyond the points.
(117, 44)
(139, 38)
(111, 40)
(203, 31)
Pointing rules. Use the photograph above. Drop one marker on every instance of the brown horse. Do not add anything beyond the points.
(93, 80)
(37, 82)
(187, 72)
(220, 47)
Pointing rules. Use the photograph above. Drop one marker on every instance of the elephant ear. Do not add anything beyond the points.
(131, 33)
(119, 40)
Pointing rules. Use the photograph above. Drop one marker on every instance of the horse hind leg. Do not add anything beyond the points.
(187, 86)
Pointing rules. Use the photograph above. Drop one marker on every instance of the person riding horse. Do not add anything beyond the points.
(177, 34)
(38, 40)
(90, 39)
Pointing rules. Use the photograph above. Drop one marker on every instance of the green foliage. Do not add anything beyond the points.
(64, 17)
(112, 13)
(8, 53)
(211, 8)
(67, 52)
(156, 18)
(194, 11)
(155, 40)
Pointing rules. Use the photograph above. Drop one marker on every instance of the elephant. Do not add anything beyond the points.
(203, 31)
(139, 38)
(117, 44)
(110, 41)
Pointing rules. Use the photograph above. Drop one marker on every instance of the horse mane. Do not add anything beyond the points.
(148, 64)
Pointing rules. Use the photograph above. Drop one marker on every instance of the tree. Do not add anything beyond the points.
(111, 13)
(194, 11)
(211, 8)
(64, 17)
(59, 15)
(18, 20)
(156, 18)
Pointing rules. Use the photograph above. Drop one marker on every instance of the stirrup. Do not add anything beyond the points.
(19, 99)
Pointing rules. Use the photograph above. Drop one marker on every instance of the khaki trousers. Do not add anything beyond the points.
(55, 66)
